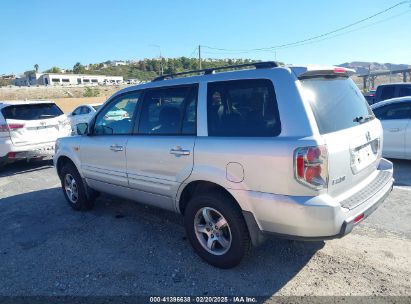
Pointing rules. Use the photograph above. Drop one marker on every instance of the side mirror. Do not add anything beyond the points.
(82, 128)
(73, 114)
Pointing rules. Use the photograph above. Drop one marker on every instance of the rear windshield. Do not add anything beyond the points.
(32, 111)
(337, 103)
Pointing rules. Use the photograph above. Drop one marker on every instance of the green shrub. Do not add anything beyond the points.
(90, 92)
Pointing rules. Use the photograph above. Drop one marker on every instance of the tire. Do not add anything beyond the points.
(77, 195)
(225, 245)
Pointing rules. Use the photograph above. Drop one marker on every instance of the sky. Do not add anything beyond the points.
(61, 33)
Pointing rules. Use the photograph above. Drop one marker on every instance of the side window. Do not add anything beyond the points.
(77, 111)
(85, 110)
(394, 111)
(169, 111)
(117, 117)
(242, 108)
(404, 91)
(387, 92)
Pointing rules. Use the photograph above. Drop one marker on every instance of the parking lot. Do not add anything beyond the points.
(124, 248)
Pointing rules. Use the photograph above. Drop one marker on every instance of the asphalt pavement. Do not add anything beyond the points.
(125, 248)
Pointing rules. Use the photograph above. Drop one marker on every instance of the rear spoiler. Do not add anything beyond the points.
(304, 73)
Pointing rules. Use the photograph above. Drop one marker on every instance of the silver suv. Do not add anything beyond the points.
(289, 151)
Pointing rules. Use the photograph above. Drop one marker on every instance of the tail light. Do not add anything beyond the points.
(311, 166)
(10, 127)
(11, 155)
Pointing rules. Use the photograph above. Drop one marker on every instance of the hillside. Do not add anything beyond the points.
(147, 69)
(362, 67)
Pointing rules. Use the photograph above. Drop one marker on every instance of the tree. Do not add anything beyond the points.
(36, 68)
(28, 73)
(78, 68)
(53, 70)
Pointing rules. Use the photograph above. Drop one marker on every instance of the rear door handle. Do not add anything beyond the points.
(116, 148)
(179, 151)
(395, 130)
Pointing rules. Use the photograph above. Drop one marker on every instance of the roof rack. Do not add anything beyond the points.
(257, 65)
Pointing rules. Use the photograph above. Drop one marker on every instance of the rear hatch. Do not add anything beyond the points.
(35, 123)
(351, 133)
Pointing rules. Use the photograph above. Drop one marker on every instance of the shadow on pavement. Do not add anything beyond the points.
(124, 248)
(402, 172)
(21, 167)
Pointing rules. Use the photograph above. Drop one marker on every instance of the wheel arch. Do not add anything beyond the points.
(198, 186)
(61, 161)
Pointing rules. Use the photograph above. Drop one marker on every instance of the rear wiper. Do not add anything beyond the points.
(362, 119)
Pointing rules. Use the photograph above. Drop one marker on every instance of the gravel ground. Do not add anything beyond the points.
(124, 248)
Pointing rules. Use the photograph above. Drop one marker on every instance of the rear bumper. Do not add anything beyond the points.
(12, 152)
(314, 218)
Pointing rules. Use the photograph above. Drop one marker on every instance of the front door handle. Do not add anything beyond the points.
(179, 151)
(116, 148)
(395, 130)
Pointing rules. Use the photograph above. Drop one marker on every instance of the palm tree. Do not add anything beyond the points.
(36, 67)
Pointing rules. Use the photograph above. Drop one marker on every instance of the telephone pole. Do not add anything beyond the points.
(161, 57)
(199, 56)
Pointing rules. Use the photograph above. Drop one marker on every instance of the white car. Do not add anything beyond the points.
(29, 129)
(82, 114)
(395, 117)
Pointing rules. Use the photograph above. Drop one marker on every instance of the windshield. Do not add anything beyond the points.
(337, 103)
(32, 111)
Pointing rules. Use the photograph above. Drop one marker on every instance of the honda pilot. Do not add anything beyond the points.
(261, 149)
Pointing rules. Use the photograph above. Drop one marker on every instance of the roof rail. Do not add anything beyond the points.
(257, 65)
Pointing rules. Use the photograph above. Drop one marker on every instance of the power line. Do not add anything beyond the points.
(311, 38)
(316, 41)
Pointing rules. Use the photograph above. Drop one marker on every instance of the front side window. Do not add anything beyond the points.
(77, 111)
(169, 111)
(242, 108)
(85, 110)
(118, 116)
(394, 111)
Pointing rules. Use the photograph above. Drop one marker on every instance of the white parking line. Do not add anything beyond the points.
(406, 188)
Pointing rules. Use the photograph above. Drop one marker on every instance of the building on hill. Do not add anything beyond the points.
(66, 79)
(8, 76)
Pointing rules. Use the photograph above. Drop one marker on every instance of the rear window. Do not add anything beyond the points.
(387, 92)
(32, 111)
(336, 103)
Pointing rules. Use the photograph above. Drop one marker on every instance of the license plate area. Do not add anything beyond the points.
(364, 155)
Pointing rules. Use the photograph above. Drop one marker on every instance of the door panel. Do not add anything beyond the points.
(103, 152)
(408, 140)
(159, 164)
(103, 159)
(394, 137)
(160, 156)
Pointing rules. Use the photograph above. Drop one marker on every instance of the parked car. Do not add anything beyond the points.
(132, 81)
(82, 114)
(29, 129)
(391, 90)
(288, 151)
(395, 117)
(370, 96)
